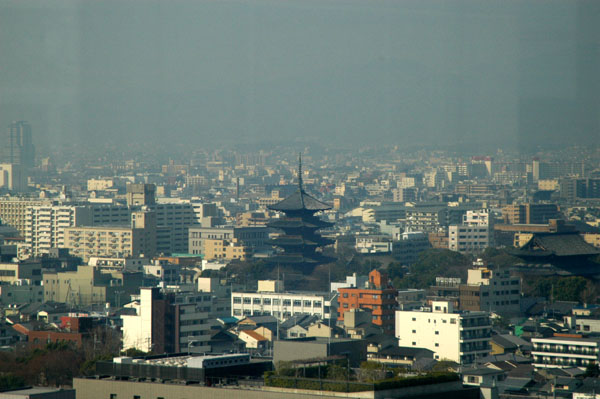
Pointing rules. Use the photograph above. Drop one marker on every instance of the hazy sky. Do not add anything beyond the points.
(357, 71)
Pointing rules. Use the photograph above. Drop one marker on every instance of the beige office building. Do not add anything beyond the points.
(110, 241)
(89, 285)
(13, 211)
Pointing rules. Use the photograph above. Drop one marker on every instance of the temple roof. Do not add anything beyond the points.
(298, 201)
(292, 240)
(556, 244)
(297, 223)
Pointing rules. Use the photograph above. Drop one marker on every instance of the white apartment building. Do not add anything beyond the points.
(373, 244)
(353, 281)
(45, 225)
(171, 322)
(13, 210)
(565, 352)
(283, 305)
(458, 336)
(473, 235)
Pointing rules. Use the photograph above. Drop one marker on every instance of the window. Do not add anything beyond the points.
(287, 302)
(267, 301)
(414, 343)
(437, 333)
(414, 331)
(452, 321)
(297, 302)
(256, 301)
(437, 344)
(113, 396)
(237, 299)
(247, 301)
(307, 304)
(136, 396)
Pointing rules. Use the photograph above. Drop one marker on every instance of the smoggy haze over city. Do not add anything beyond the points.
(353, 72)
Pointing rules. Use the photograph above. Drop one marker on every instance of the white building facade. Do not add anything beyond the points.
(461, 337)
(565, 352)
(191, 329)
(283, 305)
(473, 235)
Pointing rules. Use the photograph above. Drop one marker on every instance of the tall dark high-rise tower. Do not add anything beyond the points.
(300, 239)
(16, 146)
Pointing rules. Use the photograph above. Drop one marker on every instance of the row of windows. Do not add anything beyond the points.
(374, 296)
(276, 302)
(285, 315)
(452, 320)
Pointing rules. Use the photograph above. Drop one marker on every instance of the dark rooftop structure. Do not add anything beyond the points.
(300, 240)
(566, 251)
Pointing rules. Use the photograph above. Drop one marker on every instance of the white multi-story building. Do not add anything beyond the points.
(373, 244)
(45, 225)
(565, 352)
(283, 305)
(461, 337)
(353, 281)
(473, 235)
(13, 210)
(168, 322)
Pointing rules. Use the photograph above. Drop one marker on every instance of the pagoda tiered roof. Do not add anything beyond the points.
(300, 201)
(292, 241)
(298, 223)
(300, 240)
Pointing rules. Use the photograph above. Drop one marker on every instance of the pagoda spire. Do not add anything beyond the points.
(300, 178)
(300, 171)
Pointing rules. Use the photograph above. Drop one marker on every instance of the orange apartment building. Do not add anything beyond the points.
(379, 297)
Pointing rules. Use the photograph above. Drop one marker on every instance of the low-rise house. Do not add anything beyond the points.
(325, 330)
(482, 376)
(253, 339)
(507, 343)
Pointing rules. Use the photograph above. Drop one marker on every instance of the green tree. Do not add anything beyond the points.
(433, 263)
(337, 372)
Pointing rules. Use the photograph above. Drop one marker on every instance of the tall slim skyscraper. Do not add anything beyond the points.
(16, 146)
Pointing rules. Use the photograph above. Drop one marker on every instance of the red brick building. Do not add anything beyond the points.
(379, 297)
(39, 338)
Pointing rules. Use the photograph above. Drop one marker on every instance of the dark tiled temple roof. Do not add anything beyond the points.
(556, 244)
(298, 201)
(297, 223)
(292, 240)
